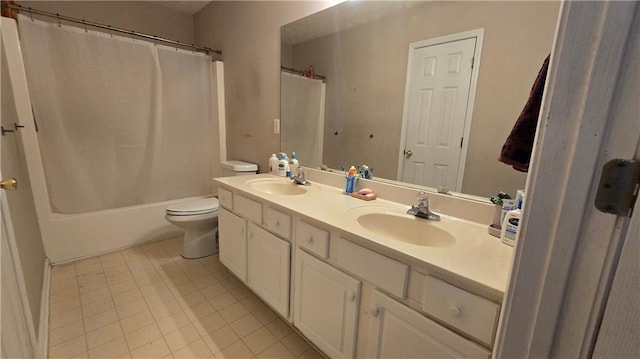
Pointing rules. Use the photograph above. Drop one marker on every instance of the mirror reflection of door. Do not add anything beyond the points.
(437, 109)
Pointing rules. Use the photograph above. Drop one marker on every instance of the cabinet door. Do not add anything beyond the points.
(326, 306)
(233, 243)
(400, 332)
(268, 268)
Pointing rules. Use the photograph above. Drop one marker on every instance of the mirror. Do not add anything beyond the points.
(361, 48)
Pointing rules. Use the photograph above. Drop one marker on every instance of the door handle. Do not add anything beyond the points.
(407, 154)
(10, 184)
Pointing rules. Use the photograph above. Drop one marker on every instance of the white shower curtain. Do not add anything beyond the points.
(302, 118)
(121, 121)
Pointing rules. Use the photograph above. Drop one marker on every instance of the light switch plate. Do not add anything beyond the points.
(276, 126)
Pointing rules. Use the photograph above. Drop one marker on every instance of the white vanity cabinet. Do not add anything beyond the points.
(260, 259)
(233, 243)
(325, 307)
(396, 331)
(268, 268)
(346, 296)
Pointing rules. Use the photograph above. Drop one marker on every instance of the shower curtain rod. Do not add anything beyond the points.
(86, 23)
(302, 73)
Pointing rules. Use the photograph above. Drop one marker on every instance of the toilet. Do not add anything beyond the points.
(199, 217)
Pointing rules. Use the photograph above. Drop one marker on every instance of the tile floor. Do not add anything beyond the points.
(148, 302)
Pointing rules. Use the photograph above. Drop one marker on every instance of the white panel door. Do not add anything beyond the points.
(438, 88)
(268, 268)
(17, 333)
(400, 332)
(233, 243)
(326, 305)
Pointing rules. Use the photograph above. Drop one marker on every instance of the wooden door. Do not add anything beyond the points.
(437, 98)
(326, 303)
(233, 243)
(400, 332)
(268, 268)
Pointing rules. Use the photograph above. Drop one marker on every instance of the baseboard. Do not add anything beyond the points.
(43, 330)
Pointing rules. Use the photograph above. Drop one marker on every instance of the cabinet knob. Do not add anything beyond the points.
(455, 311)
(351, 296)
(310, 239)
(277, 223)
(375, 312)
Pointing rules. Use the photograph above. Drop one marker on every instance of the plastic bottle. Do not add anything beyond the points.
(511, 224)
(294, 160)
(510, 227)
(273, 163)
(282, 166)
(352, 174)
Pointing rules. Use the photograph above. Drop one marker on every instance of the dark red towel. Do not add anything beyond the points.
(516, 150)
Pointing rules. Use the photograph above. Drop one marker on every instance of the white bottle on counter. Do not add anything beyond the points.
(273, 163)
(511, 227)
(282, 166)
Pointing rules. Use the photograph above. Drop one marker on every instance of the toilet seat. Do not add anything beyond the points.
(195, 207)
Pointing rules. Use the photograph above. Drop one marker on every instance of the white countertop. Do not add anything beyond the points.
(480, 258)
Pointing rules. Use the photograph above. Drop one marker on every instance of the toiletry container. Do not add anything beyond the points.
(510, 227)
(511, 224)
(238, 168)
(352, 174)
(282, 165)
(273, 163)
(294, 159)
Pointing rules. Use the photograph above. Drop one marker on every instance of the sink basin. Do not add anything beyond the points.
(408, 229)
(278, 186)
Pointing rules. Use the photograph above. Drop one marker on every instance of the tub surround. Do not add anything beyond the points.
(309, 251)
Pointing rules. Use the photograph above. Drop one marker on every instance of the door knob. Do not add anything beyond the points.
(408, 154)
(10, 184)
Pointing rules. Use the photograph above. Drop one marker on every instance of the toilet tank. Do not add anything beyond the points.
(238, 168)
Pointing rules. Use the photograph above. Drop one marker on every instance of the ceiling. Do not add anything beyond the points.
(187, 7)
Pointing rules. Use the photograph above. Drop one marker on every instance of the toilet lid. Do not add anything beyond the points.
(198, 206)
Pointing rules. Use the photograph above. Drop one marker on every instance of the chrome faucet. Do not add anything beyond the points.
(299, 178)
(421, 209)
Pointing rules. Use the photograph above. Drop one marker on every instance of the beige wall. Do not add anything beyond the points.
(248, 33)
(372, 62)
(141, 16)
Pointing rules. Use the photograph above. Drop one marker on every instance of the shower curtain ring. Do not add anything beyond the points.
(30, 13)
(110, 34)
(58, 17)
(85, 25)
(177, 43)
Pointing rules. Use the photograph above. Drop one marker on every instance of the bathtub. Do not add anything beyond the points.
(68, 237)
(75, 236)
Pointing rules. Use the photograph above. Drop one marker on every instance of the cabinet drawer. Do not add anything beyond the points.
(313, 239)
(384, 272)
(468, 312)
(225, 198)
(248, 208)
(278, 222)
